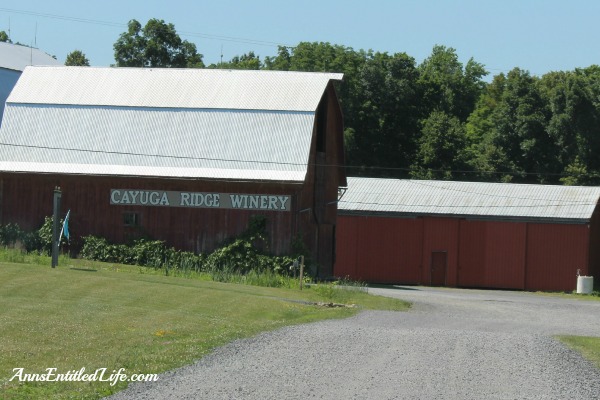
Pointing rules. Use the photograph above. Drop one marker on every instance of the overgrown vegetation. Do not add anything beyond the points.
(244, 259)
(148, 253)
(40, 240)
(340, 291)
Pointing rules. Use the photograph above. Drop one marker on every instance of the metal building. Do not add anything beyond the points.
(181, 155)
(13, 60)
(465, 234)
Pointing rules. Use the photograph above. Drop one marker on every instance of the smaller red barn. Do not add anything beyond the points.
(467, 234)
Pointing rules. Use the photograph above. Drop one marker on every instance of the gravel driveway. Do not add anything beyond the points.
(453, 344)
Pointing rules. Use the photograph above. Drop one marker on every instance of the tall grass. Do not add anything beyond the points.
(18, 256)
(340, 291)
(266, 278)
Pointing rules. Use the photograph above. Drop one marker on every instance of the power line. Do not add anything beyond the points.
(168, 156)
(122, 25)
(193, 158)
(64, 18)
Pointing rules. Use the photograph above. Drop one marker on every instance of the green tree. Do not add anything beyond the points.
(574, 125)
(77, 58)
(281, 62)
(245, 61)
(483, 155)
(441, 154)
(519, 143)
(4, 37)
(157, 44)
(447, 85)
(385, 126)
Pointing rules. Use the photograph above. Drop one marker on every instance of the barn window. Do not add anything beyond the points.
(131, 219)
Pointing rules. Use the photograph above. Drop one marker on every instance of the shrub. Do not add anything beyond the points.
(149, 253)
(32, 242)
(41, 240)
(9, 234)
(37, 241)
(242, 256)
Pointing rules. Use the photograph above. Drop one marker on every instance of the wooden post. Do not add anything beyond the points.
(55, 223)
(1, 194)
(301, 271)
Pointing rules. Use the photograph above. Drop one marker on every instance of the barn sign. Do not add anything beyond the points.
(163, 198)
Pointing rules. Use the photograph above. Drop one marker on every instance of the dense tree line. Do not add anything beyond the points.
(438, 119)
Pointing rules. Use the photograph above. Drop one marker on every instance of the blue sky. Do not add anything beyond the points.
(536, 35)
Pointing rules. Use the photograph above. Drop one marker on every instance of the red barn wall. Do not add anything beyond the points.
(27, 199)
(379, 249)
(347, 247)
(477, 253)
(554, 254)
(492, 254)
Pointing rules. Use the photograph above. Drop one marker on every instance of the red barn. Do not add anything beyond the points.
(465, 234)
(181, 155)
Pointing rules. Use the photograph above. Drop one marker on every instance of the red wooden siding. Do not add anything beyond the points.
(376, 249)
(347, 246)
(471, 272)
(554, 253)
(492, 254)
(487, 254)
(505, 255)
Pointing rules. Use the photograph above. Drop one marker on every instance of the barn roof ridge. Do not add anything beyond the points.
(185, 88)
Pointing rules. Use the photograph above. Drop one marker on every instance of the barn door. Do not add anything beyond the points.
(438, 268)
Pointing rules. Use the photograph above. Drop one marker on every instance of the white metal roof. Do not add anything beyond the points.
(16, 57)
(249, 125)
(172, 88)
(469, 199)
(270, 145)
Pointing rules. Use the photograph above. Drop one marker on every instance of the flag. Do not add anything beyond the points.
(65, 227)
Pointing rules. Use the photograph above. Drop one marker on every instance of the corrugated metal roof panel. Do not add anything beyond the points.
(228, 144)
(498, 200)
(172, 88)
(16, 57)
(157, 172)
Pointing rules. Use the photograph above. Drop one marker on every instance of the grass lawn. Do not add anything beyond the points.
(589, 347)
(92, 315)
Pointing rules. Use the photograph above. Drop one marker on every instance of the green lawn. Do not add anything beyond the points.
(91, 315)
(589, 347)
